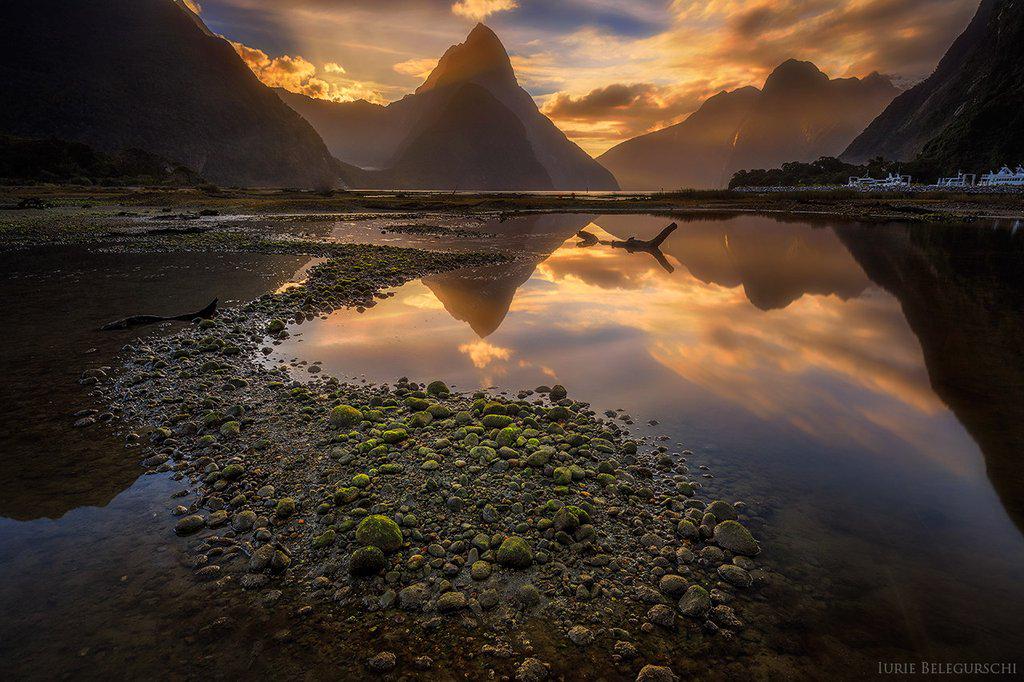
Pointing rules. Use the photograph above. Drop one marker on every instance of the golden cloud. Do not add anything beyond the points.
(420, 68)
(297, 74)
(478, 10)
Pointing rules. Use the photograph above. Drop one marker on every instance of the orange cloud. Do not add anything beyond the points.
(609, 114)
(478, 10)
(420, 68)
(300, 75)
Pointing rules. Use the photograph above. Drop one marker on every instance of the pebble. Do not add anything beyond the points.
(383, 662)
(656, 673)
(531, 670)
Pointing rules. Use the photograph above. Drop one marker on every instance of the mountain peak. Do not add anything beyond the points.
(481, 59)
(794, 74)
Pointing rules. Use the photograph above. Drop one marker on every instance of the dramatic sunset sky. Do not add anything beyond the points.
(603, 70)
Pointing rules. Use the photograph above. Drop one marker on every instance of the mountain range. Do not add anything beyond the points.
(136, 80)
(468, 126)
(148, 75)
(799, 115)
(969, 114)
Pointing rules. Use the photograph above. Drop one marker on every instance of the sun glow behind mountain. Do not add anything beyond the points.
(603, 72)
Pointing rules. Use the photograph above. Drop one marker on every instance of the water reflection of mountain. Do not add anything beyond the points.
(962, 293)
(775, 263)
(481, 296)
(60, 297)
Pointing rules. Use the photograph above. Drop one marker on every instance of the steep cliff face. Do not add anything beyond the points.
(507, 116)
(693, 153)
(145, 74)
(803, 115)
(967, 114)
(800, 115)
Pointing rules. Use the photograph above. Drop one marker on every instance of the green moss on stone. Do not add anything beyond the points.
(515, 552)
(367, 561)
(344, 416)
(379, 531)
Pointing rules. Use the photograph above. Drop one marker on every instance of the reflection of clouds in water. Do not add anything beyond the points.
(482, 354)
(424, 301)
(837, 363)
(832, 369)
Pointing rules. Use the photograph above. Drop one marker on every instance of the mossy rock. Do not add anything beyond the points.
(390, 468)
(494, 407)
(480, 570)
(344, 416)
(438, 388)
(325, 539)
(361, 481)
(347, 494)
(483, 453)
(731, 535)
(463, 417)
(381, 532)
(439, 411)
(540, 456)
(558, 392)
(558, 414)
(417, 404)
(232, 472)
(230, 429)
(507, 436)
(285, 508)
(421, 419)
(367, 561)
(275, 326)
(723, 511)
(393, 436)
(496, 421)
(562, 476)
(515, 552)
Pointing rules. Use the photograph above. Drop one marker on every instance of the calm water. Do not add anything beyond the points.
(860, 386)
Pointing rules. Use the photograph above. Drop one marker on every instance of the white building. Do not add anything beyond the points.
(1004, 178)
(960, 180)
(892, 181)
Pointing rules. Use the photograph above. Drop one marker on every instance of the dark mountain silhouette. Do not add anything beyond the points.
(962, 295)
(693, 153)
(800, 115)
(26, 161)
(406, 131)
(967, 114)
(362, 133)
(466, 137)
(147, 75)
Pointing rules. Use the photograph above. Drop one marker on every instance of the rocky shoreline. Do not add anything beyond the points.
(436, 506)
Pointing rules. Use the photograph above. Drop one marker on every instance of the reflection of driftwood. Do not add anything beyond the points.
(139, 320)
(633, 245)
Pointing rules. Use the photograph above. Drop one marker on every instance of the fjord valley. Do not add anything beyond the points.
(511, 340)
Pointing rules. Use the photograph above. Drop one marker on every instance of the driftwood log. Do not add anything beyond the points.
(633, 245)
(140, 320)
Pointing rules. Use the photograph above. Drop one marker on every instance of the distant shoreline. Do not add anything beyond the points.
(914, 206)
